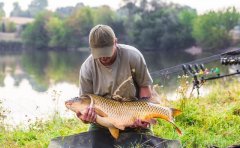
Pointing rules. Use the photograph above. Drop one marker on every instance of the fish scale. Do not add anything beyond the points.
(117, 115)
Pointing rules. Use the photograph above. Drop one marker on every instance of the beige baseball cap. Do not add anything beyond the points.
(101, 41)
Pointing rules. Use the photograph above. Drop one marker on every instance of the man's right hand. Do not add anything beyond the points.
(88, 116)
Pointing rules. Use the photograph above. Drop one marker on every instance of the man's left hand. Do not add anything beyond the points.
(140, 123)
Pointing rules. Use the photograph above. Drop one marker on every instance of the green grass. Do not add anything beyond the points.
(212, 120)
(40, 133)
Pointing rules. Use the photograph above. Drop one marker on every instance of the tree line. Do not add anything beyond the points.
(148, 25)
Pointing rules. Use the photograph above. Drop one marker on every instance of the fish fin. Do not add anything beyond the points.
(104, 121)
(100, 112)
(121, 127)
(152, 116)
(175, 112)
(177, 129)
(114, 132)
(116, 124)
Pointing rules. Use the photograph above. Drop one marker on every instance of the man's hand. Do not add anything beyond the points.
(88, 116)
(141, 124)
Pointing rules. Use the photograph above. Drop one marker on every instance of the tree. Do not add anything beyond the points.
(186, 17)
(211, 30)
(129, 14)
(164, 27)
(103, 15)
(35, 35)
(2, 12)
(55, 27)
(65, 11)
(37, 6)
(17, 11)
(78, 26)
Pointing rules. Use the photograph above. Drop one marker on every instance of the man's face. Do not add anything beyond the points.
(109, 60)
(105, 60)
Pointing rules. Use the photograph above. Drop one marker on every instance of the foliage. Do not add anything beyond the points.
(37, 6)
(17, 11)
(8, 26)
(79, 25)
(128, 14)
(162, 26)
(186, 18)
(103, 15)
(40, 132)
(61, 63)
(59, 66)
(34, 64)
(56, 32)
(36, 35)
(211, 30)
(153, 25)
(2, 12)
(212, 120)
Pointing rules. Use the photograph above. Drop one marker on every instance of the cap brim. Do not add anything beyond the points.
(102, 52)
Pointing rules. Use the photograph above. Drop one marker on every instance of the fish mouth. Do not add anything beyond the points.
(76, 99)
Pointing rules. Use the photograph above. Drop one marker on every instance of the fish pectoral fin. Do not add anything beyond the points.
(114, 132)
(100, 112)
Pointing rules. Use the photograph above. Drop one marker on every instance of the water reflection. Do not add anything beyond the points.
(44, 68)
(34, 85)
(27, 105)
(160, 60)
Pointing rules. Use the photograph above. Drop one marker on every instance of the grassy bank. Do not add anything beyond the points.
(40, 133)
(212, 120)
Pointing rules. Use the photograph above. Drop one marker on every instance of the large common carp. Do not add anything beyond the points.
(116, 115)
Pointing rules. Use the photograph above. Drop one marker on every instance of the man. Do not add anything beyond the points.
(115, 71)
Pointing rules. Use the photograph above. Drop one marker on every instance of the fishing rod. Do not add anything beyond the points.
(227, 59)
(197, 70)
(224, 60)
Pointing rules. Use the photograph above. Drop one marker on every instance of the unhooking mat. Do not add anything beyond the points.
(96, 139)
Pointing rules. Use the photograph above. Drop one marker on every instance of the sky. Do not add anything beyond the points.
(200, 5)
